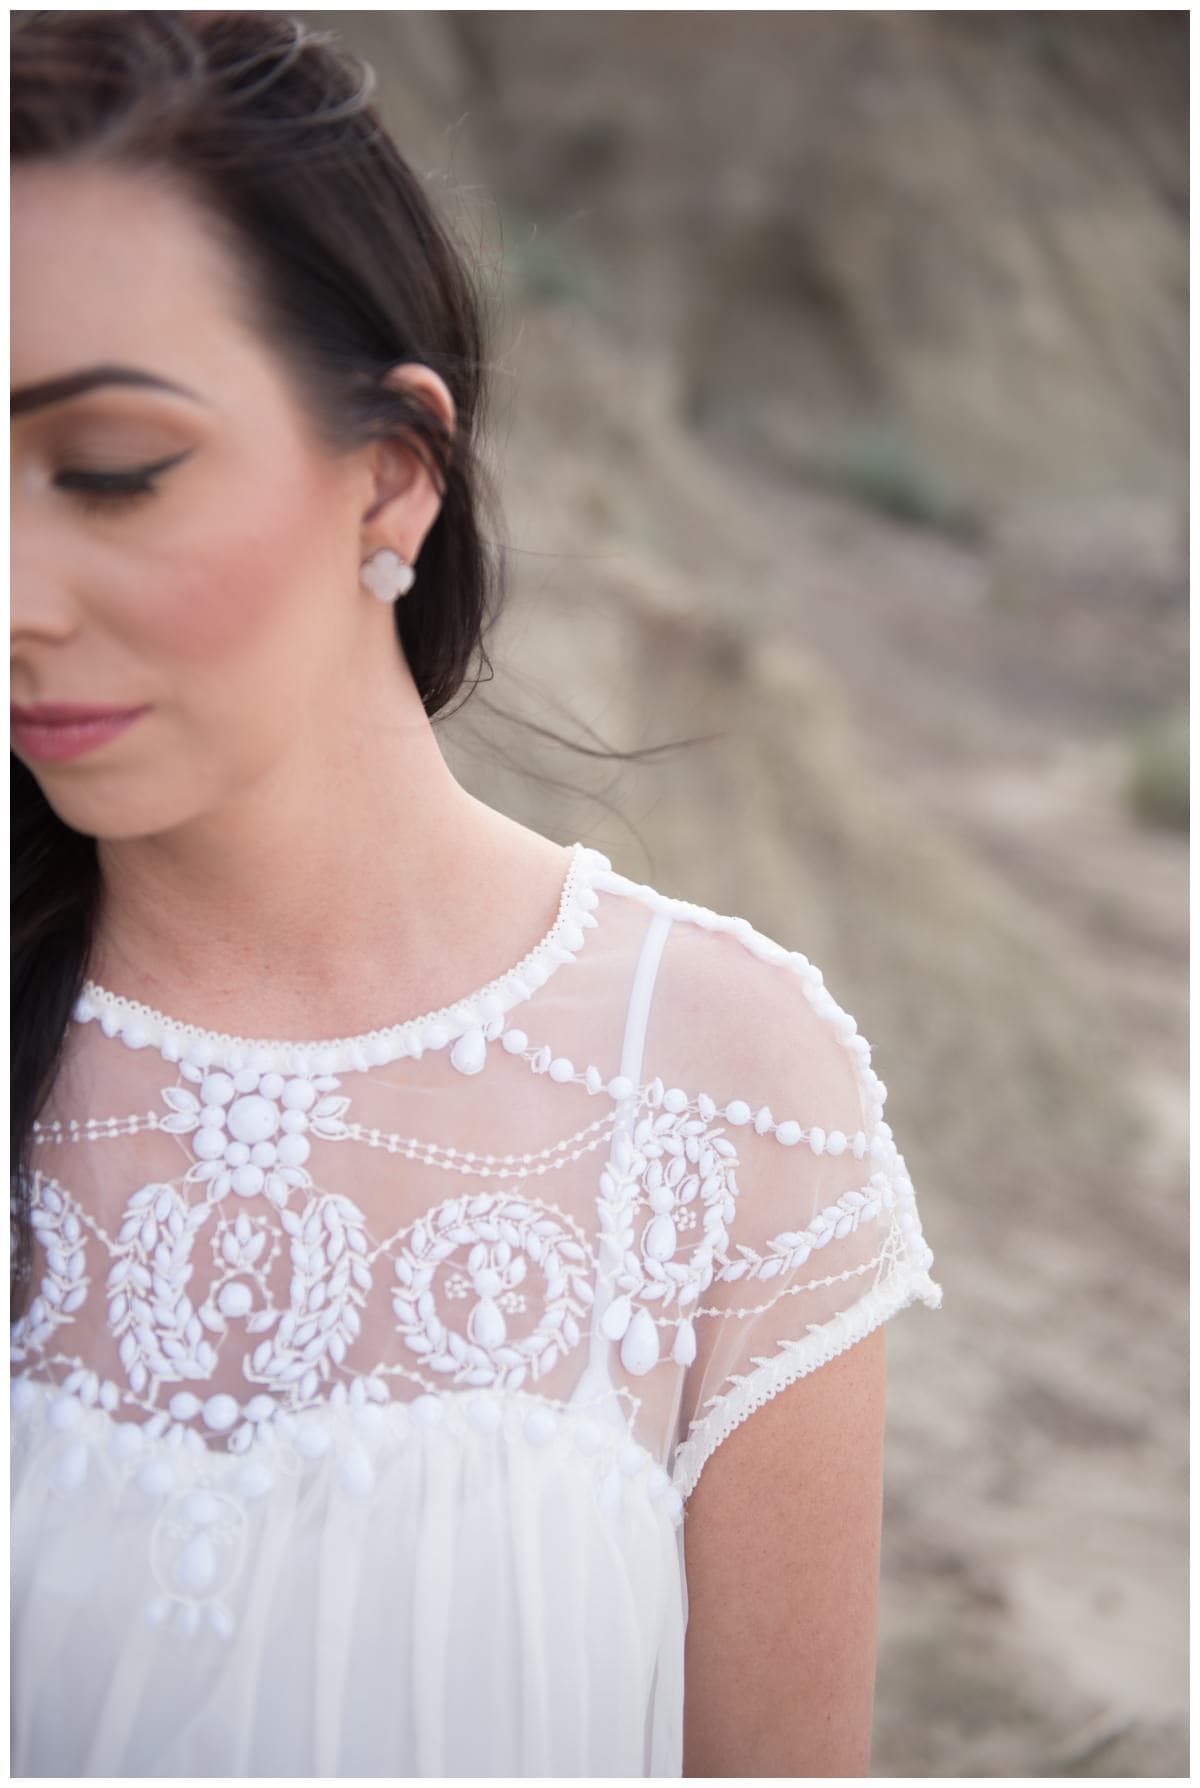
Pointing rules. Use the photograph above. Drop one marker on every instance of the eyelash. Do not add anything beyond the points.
(111, 490)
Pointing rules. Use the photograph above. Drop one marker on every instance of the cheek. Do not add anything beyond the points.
(247, 604)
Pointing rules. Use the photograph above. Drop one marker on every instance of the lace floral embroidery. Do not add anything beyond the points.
(250, 1130)
(487, 1292)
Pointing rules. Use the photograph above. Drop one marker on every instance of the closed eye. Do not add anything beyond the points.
(109, 489)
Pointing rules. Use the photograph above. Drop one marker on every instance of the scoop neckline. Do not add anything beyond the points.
(140, 1026)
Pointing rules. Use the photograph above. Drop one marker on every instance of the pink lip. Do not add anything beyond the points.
(57, 731)
(66, 713)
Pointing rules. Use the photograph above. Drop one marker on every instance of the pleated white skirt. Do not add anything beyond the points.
(452, 1602)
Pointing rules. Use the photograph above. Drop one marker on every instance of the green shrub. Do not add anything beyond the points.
(543, 268)
(880, 464)
(1157, 782)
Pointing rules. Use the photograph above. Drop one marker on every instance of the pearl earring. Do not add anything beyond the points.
(386, 575)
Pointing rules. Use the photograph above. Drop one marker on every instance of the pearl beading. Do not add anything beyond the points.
(903, 1249)
(789, 1132)
(813, 982)
(468, 1024)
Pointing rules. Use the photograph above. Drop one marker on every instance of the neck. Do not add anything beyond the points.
(333, 896)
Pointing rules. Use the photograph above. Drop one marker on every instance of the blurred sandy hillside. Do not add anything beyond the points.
(839, 403)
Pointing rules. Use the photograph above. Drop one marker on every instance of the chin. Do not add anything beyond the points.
(114, 813)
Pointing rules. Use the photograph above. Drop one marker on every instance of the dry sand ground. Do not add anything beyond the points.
(921, 789)
(916, 783)
(1044, 1621)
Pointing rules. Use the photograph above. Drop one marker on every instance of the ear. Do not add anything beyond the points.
(405, 499)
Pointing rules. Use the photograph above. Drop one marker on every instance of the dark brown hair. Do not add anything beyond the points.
(269, 128)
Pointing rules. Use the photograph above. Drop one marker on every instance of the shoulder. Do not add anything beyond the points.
(736, 1005)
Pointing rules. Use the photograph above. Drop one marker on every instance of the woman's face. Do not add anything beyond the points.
(226, 600)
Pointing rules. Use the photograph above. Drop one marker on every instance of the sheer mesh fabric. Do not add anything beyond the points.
(444, 1320)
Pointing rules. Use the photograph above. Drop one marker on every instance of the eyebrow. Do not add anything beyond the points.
(60, 390)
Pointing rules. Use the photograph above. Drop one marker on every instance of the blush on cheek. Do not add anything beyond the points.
(206, 608)
(244, 594)
(213, 607)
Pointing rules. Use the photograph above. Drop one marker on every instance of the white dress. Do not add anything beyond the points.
(356, 1413)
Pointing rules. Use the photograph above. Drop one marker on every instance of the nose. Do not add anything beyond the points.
(43, 558)
(42, 604)
(40, 607)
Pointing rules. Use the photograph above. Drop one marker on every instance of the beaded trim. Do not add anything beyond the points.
(140, 1026)
(768, 949)
(744, 1393)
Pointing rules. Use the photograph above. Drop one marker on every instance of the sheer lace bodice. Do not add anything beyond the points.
(372, 1341)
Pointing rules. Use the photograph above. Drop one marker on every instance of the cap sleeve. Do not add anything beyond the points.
(817, 1237)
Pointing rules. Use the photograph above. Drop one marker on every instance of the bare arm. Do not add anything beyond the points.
(782, 1548)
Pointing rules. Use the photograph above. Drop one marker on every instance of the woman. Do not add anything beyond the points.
(418, 1213)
